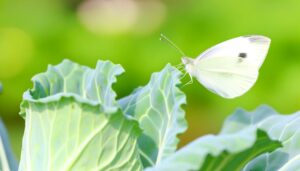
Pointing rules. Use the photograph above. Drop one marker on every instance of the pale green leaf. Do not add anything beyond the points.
(93, 86)
(157, 108)
(72, 122)
(219, 152)
(7, 159)
(284, 128)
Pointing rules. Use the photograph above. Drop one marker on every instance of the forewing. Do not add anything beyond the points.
(226, 76)
(254, 48)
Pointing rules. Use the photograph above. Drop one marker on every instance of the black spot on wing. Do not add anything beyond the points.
(243, 55)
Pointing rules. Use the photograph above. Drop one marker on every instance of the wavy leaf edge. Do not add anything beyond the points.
(28, 96)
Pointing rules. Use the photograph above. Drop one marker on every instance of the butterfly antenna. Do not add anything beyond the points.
(164, 38)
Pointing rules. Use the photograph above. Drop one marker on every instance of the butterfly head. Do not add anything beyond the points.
(187, 60)
(189, 63)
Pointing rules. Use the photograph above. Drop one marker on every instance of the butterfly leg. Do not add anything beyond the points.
(190, 82)
(183, 75)
(179, 66)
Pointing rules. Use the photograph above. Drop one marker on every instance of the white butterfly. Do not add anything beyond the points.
(230, 68)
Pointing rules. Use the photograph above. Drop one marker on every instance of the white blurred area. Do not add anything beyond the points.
(122, 16)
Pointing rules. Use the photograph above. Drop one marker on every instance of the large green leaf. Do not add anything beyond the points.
(157, 107)
(219, 152)
(284, 128)
(73, 80)
(7, 160)
(72, 122)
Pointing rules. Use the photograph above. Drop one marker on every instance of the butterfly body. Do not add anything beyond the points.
(231, 68)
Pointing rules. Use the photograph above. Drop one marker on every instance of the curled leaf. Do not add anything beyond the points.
(72, 122)
(157, 108)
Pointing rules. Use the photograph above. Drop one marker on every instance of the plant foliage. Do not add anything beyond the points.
(157, 107)
(7, 160)
(74, 122)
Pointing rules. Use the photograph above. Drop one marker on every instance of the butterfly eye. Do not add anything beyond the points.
(243, 55)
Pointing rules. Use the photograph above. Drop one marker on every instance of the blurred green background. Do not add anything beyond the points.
(35, 33)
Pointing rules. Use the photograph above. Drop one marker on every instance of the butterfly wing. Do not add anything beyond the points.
(230, 68)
